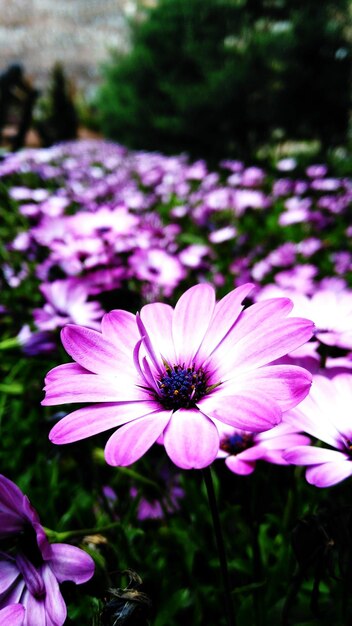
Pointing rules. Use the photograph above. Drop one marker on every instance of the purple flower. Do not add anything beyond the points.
(32, 568)
(325, 414)
(34, 343)
(242, 449)
(158, 508)
(67, 301)
(167, 374)
(157, 267)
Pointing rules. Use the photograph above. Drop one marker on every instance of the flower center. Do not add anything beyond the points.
(348, 446)
(181, 387)
(236, 443)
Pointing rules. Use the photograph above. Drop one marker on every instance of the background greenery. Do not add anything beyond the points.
(223, 77)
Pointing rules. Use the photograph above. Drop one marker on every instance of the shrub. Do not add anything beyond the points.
(217, 78)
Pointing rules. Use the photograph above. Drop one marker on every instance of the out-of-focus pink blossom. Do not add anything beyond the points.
(67, 302)
(157, 267)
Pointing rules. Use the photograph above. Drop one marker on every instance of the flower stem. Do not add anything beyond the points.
(208, 480)
(66, 535)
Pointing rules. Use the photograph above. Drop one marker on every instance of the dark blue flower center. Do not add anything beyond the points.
(182, 387)
(236, 443)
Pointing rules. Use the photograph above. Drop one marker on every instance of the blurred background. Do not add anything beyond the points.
(212, 78)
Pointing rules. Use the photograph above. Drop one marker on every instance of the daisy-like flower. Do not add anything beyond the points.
(326, 415)
(242, 449)
(168, 374)
(31, 568)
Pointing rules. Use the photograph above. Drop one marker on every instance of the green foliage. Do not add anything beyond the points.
(219, 78)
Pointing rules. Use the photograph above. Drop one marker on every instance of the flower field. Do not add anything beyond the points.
(176, 390)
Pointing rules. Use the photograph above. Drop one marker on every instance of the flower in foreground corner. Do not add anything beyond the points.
(30, 567)
(326, 415)
(168, 374)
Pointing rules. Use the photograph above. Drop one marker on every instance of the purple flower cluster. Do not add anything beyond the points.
(104, 217)
(101, 217)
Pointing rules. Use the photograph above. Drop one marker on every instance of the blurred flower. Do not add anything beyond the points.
(67, 301)
(193, 255)
(159, 507)
(157, 267)
(223, 234)
(286, 165)
(249, 199)
(242, 449)
(252, 177)
(32, 568)
(299, 278)
(167, 373)
(326, 415)
(316, 170)
(35, 342)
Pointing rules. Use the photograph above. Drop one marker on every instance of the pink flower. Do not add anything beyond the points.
(242, 449)
(326, 415)
(32, 568)
(157, 267)
(169, 373)
(67, 301)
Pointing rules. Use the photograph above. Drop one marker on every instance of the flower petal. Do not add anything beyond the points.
(225, 315)
(11, 497)
(8, 574)
(132, 440)
(191, 319)
(267, 343)
(92, 388)
(71, 563)
(313, 416)
(119, 327)
(243, 410)
(262, 313)
(286, 384)
(67, 369)
(310, 455)
(328, 474)
(55, 606)
(93, 352)
(157, 318)
(35, 610)
(191, 440)
(12, 615)
(97, 418)
(238, 466)
(15, 594)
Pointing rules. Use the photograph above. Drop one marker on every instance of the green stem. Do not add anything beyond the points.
(69, 534)
(208, 481)
(10, 343)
